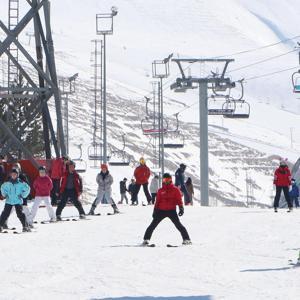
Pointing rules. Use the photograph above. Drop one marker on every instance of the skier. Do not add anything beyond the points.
(294, 193)
(71, 187)
(142, 174)
(42, 186)
(123, 190)
(58, 169)
(190, 189)
(154, 186)
(282, 181)
(14, 191)
(131, 189)
(179, 181)
(105, 181)
(24, 178)
(168, 197)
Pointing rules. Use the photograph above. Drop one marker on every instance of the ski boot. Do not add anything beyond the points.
(275, 209)
(1, 229)
(82, 216)
(187, 242)
(290, 209)
(52, 220)
(5, 226)
(92, 211)
(145, 243)
(115, 208)
(26, 229)
(58, 218)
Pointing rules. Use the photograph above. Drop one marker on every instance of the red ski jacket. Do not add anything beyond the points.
(42, 186)
(168, 197)
(77, 183)
(282, 176)
(57, 168)
(142, 174)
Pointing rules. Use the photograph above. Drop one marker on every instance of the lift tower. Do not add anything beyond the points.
(39, 90)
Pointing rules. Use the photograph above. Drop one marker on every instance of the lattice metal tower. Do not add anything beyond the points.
(38, 90)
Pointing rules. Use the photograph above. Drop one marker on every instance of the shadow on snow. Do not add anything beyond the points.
(158, 298)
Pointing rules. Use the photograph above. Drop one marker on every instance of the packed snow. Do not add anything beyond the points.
(236, 254)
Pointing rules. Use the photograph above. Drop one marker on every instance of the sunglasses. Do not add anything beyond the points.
(167, 180)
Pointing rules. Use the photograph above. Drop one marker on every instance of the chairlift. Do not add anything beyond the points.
(80, 163)
(296, 81)
(218, 108)
(150, 126)
(174, 141)
(95, 152)
(119, 157)
(242, 110)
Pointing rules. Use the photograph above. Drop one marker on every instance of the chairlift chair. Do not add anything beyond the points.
(150, 126)
(119, 157)
(242, 111)
(95, 152)
(296, 81)
(216, 108)
(174, 141)
(80, 163)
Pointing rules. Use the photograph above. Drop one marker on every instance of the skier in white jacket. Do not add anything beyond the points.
(105, 181)
(154, 186)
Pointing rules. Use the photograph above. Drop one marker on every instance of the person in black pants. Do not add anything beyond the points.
(282, 181)
(14, 191)
(168, 197)
(71, 188)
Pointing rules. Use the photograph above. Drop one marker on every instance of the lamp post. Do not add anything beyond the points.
(104, 26)
(161, 70)
(71, 84)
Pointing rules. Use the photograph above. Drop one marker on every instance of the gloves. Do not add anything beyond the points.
(181, 211)
(154, 213)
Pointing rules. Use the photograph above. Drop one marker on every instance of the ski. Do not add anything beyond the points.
(294, 264)
(112, 214)
(49, 222)
(172, 246)
(95, 215)
(78, 219)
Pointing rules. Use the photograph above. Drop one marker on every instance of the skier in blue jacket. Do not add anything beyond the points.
(294, 193)
(14, 191)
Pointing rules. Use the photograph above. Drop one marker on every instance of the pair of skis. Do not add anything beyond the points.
(154, 245)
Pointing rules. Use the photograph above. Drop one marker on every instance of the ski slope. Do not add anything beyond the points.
(236, 254)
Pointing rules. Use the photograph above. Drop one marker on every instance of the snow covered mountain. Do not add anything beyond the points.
(148, 30)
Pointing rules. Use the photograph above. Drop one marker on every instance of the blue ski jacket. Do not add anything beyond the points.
(295, 191)
(15, 192)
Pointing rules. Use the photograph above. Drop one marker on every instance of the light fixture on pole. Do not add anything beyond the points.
(161, 70)
(105, 26)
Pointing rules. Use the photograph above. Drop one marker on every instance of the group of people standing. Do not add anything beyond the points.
(283, 181)
(141, 179)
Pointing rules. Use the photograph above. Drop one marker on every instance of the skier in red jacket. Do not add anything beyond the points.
(282, 181)
(168, 197)
(141, 174)
(71, 187)
(42, 186)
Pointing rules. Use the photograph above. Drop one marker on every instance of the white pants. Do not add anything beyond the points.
(36, 204)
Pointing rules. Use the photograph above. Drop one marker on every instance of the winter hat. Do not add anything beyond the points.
(125, 179)
(104, 166)
(293, 180)
(14, 170)
(283, 162)
(167, 178)
(182, 166)
(142, 161)
(72, 163)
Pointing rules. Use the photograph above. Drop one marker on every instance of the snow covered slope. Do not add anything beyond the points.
(236, 254)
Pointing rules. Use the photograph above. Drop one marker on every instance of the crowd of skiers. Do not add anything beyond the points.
(64, 184)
